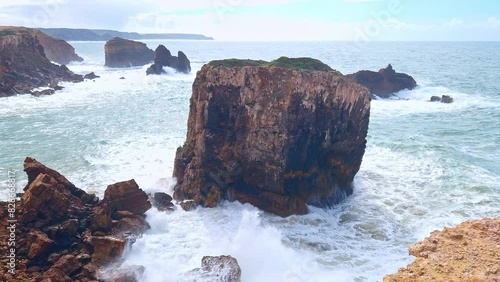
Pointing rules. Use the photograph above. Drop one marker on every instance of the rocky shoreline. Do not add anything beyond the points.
(469, 252)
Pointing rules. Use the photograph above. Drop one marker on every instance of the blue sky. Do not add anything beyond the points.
(367, 20)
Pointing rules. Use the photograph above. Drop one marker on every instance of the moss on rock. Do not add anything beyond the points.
(282, 62)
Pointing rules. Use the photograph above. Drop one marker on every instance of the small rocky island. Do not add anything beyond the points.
(385, 82)
(279, 135)
(24, 65)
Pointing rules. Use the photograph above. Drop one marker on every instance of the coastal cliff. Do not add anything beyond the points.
(468, 252)
(56, 50)
(24, 66)
(278, 135)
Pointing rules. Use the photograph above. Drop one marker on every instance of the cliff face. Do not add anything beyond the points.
(276, 137)
(56, 50)
(122, 53)
(24, 66)
(468, 252)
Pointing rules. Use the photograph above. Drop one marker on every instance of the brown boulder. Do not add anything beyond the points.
(68, 264)
(277, 137)
(39, 244)
(220, 269)
(133, 225)
(385, 82)
(107, 249)
(123, 53)
(132, 273)
(100, 219)
(163, 201)
(55, 275)
(127, 196)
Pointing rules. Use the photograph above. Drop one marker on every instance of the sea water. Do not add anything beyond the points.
(426, 166)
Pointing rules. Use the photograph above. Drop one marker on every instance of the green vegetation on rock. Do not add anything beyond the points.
(7, 32)
(282, 62)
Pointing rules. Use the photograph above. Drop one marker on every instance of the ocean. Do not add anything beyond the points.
(426, 166)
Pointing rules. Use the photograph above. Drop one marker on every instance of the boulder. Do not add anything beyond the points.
(39, 244)
(107, 249)
(446, 99)
(163, 58)
(385, 82)
(435, 99)
(127, 196)
(131, 273)
(68, 264)
(122, 53)
(278, 135)
(91, 75)
(24, 66)
(163, 201)
(220, 269)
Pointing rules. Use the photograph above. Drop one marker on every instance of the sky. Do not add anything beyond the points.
(360, 20)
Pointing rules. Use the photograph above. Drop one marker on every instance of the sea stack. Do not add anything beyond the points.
(384, 83)
(163, 58)
(279, 135)
(123, 53)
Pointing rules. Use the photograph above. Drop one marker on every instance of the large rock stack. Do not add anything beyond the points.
(278, 135)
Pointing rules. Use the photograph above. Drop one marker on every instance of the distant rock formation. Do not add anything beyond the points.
(24, 66)
(278, 135)
(73, 34)
(443, 99)
(56, 50)
(163, 58)
(123, 53)
(65, 234)
(385, 82)
(468, 252)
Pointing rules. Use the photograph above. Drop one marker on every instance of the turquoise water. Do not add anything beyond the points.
(427, 165)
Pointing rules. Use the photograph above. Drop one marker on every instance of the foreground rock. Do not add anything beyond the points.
(163, 58)
(123, 53)
(278, 135)
(65, 234)
(468, 252)
(220, 269)
(24, 66)
(385, 82)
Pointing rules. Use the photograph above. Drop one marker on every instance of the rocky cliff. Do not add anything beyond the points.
(278, 135)
(163, 58)
(385, 82)
(122, 53)
(56, 50)
(64, 234)
(24, 66)
(468, 252)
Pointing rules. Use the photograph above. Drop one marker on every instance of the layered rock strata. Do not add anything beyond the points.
(278, 135)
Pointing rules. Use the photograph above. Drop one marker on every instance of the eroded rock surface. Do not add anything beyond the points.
(276, 137)
(216, 269)
(65, 234)
(468, 252)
